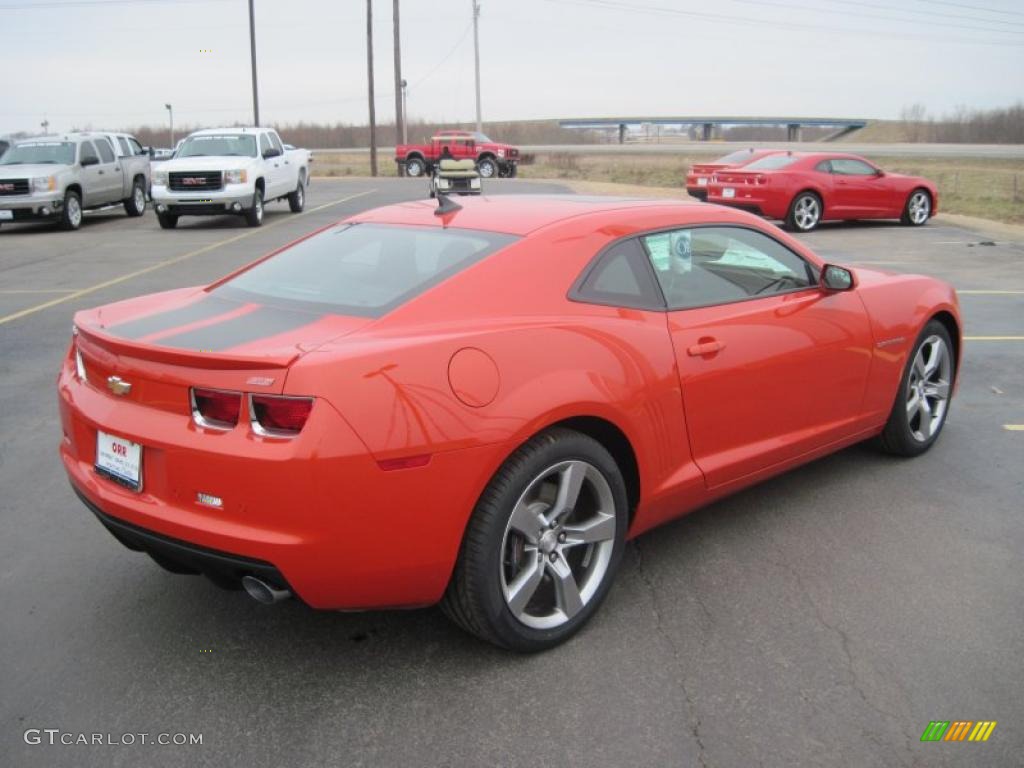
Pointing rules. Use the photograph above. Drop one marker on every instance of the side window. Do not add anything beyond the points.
(848, 167)
(126, 151)
(264, 143)
(825, 166)
(276, 142)
(621, 278)
(88, 150)
(717, 265)
(106, 153)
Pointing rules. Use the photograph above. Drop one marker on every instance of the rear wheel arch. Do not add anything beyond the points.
(614, 441)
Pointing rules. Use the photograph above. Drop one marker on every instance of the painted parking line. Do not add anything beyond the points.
(175, 260)
(42, 290)
(993, 338)
(1014, 427)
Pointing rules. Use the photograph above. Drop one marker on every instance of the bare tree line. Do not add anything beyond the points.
(964, 126)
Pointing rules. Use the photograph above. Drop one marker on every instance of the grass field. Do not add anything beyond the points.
(972, 187)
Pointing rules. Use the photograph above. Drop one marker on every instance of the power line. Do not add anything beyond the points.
(903, 19)
(76, 3)
(930, 12)
(789, 26)
(972, 7)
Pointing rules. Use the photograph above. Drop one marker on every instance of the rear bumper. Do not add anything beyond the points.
(701, 193)
(752, 200)
(336, 528)
(177, 556)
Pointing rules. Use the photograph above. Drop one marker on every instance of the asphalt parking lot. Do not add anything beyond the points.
(823, 618)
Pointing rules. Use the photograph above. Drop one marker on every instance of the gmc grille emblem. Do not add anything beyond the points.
(193, 181)
(118, 386)
(6, 187)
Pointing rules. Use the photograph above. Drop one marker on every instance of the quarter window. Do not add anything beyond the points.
(621, 278)
(825, 166)
(845, 166)
(704, 266)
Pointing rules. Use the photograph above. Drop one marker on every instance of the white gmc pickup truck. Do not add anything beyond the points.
(229, 171)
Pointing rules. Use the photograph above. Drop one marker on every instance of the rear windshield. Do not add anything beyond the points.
(735, 157)
(46, 152)
(362, 269)
(218, 146)
(771, 163)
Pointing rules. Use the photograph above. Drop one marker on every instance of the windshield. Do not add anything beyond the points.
(42, 152)
(362, 269)
(771, 163)
(481, 138)
(218, 146)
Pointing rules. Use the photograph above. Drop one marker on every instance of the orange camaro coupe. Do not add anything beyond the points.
(478, 406)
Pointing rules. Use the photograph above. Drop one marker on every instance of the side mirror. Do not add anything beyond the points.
(879, 172)
(90, 160)
(147, 151)
(272, 152)
(835, 278)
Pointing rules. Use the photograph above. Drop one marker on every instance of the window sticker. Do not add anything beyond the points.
(682, 258)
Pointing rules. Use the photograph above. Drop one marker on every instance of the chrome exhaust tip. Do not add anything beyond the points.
(262, 592)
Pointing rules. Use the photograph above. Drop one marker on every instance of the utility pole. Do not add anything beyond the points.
(476, 55)
(170, 117)
(369, 77)
(399, 107)
(405, 111)
(252, 50)
(45, 125)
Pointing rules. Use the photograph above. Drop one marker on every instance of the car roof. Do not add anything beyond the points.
(523, 214)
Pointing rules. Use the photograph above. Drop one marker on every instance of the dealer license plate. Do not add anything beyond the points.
(728, 192)
(120, 460)
(6, 215)
(702, 181)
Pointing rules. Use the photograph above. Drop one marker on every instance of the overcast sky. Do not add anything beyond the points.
(114, 63)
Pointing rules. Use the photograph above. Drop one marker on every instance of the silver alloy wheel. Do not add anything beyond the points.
(928, 388)
(920, 207)
(806, 212)
(301, 195)
(74, 211)
(257, 203)
(486, 168)
(139, 199)
(558, 544)
(414, 167)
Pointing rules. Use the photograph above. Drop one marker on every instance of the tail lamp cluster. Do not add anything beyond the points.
(269, 415)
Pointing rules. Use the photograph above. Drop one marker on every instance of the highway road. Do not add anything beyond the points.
(718, 148)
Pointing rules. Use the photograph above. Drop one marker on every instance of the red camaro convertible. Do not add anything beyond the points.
(804, 189)
(480, 408)
(700, 174)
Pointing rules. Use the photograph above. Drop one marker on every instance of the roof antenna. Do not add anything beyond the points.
(446, 206)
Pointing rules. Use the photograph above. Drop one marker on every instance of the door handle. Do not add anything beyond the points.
(100, 173)
(710, 347)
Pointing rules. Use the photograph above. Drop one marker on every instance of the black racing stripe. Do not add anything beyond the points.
(204, 309)
(258, 324)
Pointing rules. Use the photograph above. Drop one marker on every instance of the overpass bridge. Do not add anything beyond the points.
(843, 126)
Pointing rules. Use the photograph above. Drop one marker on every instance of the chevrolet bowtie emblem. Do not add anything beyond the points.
(118, 386)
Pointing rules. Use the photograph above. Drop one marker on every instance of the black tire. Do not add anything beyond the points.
(486, 167)
(71, 211)
(254, 216)
(475, 599)
(795, 220)
(899, 437)
(297, 199)
(415, 167)
(167, 220)
(912, 216)
(135, 203)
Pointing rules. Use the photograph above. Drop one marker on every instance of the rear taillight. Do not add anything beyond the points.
(278, 416)
(761, 178)
(215, 408)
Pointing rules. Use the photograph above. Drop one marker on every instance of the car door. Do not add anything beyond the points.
(92, 179)
(110, 182)
(272, 168)
(771, 366)
(287, 180)
(858, 188)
